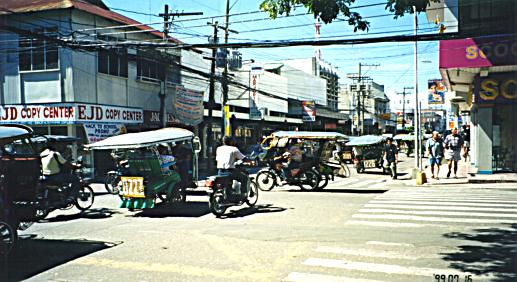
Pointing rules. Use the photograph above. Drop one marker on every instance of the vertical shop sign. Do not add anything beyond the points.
(227, 125)
(253, 100)
(309, 111)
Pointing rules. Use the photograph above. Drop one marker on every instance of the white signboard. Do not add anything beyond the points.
(189, 106)
(256, 69)
(69, 113)
(98, 131)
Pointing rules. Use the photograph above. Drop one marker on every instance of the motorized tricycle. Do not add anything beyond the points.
(321, 161)
(19, 180)
(158, 164)
(224, 191)
(368, 151)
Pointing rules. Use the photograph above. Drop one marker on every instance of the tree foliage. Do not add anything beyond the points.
(329, 10)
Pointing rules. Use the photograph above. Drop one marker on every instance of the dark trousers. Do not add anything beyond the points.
(240, 176)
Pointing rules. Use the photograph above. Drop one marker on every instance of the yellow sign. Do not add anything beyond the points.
(227, 120)
(132, 187)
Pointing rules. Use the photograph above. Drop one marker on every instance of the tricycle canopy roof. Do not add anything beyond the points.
(54, 138)
(142, 139)
(11, 132)
(309, 135)
(365, 140)
(404, 137)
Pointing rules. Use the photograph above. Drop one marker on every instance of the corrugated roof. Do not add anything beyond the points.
(26, 6)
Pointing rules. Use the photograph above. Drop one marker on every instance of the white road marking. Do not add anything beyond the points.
(432, 219)
(440, 203)
(364, 183)
(348, 181)
(444, 198)
(381, 243)
(418, 207)
(375, 253)
(390, 269)
(477, 214)
(311, 277)
(393, 224)
(379, 185)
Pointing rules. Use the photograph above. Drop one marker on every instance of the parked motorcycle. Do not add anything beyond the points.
(112, 179)
(55, 196)
(225, 192)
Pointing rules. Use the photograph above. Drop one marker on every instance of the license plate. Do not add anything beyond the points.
(132, 187)
(369, 163)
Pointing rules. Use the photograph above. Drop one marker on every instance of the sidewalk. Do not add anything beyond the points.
(466, 175)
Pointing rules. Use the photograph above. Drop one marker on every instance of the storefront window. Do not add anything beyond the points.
(504, 139)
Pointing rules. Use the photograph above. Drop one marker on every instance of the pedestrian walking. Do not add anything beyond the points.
(453, 145)
(435, 149)
(391, 157)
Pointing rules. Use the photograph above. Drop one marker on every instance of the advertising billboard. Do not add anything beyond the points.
(309, 111)
(436, 92)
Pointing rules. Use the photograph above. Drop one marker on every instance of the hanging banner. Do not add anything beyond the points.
(227, 125)
(98, 131)
(436, 92)
(189, 106)
(69, 113)
(309, 111)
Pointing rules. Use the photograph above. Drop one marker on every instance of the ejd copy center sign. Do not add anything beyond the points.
(68, 113)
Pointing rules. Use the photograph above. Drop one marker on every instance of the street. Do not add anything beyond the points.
(365, 228)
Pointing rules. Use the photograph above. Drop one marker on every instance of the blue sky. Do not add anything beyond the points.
(396, 68)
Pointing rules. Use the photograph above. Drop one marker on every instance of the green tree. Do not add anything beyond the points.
(328, 10)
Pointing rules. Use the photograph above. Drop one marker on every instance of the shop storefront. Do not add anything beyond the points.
(494, 114)
(88, 122)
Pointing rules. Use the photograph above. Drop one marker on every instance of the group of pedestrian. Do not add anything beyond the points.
(450, 149)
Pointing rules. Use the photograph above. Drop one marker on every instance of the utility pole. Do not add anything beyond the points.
(404, 106)
(360, 91)
(163, 93)
(417, 114)
(211, 100)
(226, 119)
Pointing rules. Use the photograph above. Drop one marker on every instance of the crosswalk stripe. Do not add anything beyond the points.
(440, 203)
(419, 207)
(382, 243)
(393, 224)
(379, 185)
(375, 253)
(390, 211)
(310, 277)
(364, 183)
(447, 197)
(432, 219)
(348, 181)
(389, 268)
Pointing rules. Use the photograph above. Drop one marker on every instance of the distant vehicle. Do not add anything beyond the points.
(368, 152)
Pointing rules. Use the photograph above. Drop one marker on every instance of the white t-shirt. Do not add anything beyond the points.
(49, 162)
(226, 156)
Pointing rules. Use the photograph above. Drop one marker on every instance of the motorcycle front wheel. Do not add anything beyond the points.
(111, 183)
(215, 205)
(323, 180)
(8, 238)
(266, 180)
(252, 195)
(85, 198)
(309, 181)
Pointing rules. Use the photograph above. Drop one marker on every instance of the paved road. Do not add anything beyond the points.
(366, 228)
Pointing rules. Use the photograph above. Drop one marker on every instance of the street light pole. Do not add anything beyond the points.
(417, 114)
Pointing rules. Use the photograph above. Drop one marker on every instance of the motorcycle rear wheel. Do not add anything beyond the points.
(309, 182)
(214, 204)
(323, 181)
(266, 180)
(8, 236)
(252, 195)
(85, 198)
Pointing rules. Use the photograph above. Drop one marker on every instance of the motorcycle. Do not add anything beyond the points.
(307, 178)
(113, 177)
(225, 192)
(55, 196)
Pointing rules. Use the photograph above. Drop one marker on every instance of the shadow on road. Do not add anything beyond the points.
(187, 209)
(33, 256)
(491, 251)
(96, 213)
(242, 212)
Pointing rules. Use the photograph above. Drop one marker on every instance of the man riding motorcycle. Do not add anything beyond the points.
(226, 156)
(56, 169)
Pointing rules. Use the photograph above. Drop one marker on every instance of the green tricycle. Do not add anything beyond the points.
(153, 165)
